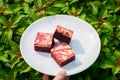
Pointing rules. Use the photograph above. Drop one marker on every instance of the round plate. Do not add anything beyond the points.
(85, 43)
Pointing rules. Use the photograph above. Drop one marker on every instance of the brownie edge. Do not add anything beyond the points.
(62, 54)
(63, 34)
(43, 42)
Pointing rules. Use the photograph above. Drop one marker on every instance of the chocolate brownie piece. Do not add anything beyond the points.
(62, 54)
(63, 34)
(43, 42)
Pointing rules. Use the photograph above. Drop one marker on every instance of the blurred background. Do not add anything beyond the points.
(17, 15)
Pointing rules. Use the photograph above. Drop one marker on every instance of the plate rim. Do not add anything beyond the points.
(67, 16)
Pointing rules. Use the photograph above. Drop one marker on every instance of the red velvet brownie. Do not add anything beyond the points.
(43, 42)
(63, 34)
(62, 54)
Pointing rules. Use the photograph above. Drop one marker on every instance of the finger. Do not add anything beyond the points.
(61, 75)
(67, 78)
(45, 77)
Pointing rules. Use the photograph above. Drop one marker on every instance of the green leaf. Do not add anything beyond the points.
(17, 7)
(114, 78)
(104, 40)
(88, 77)
(15, 60)
(2, 74)
(103, 13)
(107, 51)
(115, 70)
(9, 34)
(2, 47)
(59, 4)
(83, 16)
(73, 9)
(14, 45)
(106, 64)
(117, 54)
(20, 30)
(4, 57)
(13, 72)
(108, 26)
(3, 20)
(3, 37)
(23, 69)
(117, 9)
(95, 6)
(17, 18)
(38, 2)
(73, 1)
(8, 11)
(65, 9)
(111, 78)
(50, 12)
(29, 1)
(1, 2)
(26, 8)
(20, 64)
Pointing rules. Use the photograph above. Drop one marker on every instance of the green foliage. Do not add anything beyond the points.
(17, 15)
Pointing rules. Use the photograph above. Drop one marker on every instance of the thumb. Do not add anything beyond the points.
(61, 75)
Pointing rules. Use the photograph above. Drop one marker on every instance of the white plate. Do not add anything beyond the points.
(85, 43)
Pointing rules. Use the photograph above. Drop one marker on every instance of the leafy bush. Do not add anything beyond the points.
(17, 15)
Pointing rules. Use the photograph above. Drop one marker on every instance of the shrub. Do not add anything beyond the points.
(17, 15)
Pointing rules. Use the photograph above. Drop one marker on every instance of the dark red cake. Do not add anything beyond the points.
(62, 54)
(63, 34)
(43, 42)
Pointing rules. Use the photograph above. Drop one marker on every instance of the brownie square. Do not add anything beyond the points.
(62, 54)
(63, 34)
(43, 42)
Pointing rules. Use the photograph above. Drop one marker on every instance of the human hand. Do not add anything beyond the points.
(60, 76)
